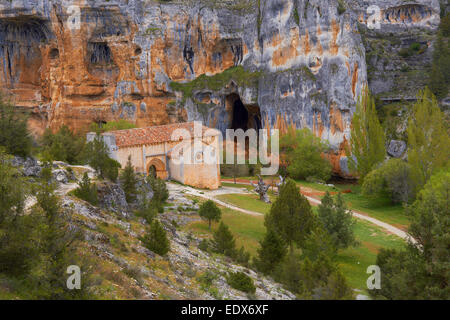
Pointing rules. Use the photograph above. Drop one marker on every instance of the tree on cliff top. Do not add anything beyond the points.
(14, 134)
(367, 141)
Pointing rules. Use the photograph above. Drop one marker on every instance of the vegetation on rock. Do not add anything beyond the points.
(86, 190)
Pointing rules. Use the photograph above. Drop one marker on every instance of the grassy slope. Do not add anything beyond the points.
(249, 230)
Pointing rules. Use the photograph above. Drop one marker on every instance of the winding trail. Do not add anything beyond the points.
(211, 195)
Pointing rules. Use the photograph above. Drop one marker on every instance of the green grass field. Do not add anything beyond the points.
(378, 207)
(249, 230)
(247, 201)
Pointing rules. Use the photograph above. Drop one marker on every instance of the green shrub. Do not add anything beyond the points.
(14, 134)
(301, 154)
(156, 239)
(393, 178)
(160, 192)
(147, 211)
(96, 154)
(86, 190)
(404, 52)
(207, 279)
(341, 7)
(112, 126)
(224, 242)
(64, 145)
(242, 257)
(241, 281)
(204, 245)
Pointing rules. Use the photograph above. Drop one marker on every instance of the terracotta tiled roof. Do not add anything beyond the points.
(151, 135)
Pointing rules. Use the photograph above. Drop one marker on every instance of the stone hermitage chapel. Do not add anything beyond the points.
(186, 152)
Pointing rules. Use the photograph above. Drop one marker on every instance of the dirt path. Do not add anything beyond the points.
(360, 215)
(211, 195)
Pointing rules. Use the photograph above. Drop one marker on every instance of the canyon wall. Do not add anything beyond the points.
(235, 64)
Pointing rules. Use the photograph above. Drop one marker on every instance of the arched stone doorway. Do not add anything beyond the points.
(157, 168)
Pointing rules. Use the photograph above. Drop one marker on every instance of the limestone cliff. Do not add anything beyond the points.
(234, 64)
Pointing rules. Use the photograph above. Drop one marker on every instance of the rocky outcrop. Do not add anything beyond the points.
(398, 49)
(112, 197)
(236, 64)
(396, 148)
(28, 166)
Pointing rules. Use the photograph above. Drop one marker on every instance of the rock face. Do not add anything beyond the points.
(399, 49)
(112, 197)
(240, 64)
(396, 148)
(29, 166)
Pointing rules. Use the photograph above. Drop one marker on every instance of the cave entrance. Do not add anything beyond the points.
(242, 116)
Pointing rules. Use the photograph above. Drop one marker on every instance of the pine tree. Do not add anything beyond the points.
(291, 215)
(14, 134)
(209, 211)
(337, 220)
(223, 241)
(421, 270)
(156, 239)
(271, 252)
(97, 156)
(129, 181)
(428, 140)
(242, 256)
(17, 249)
(367, 141)
(58, 246)
(87, 190)
(160, 192)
